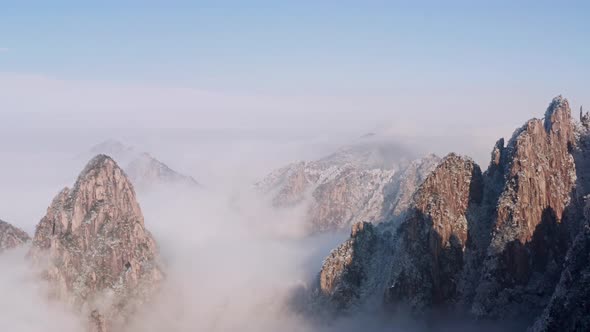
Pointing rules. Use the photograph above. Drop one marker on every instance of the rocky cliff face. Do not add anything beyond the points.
(353, 185)
(343, 271)
(11, 237)
(93, 247)
(434, 238)
(429, 251)
(489, 245)
(529, 238)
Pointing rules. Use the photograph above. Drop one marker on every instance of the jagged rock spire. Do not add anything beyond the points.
(492, 245)
(101, 257)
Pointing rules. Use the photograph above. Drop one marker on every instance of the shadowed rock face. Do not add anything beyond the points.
(428, 250)
(491, 245)
(433, 238)
(11, 237)
(93, 246)
(569, 306)
(347, 268)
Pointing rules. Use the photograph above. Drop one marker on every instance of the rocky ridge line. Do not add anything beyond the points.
(489, 245)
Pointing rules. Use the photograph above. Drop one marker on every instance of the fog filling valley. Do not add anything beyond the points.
(232, 262)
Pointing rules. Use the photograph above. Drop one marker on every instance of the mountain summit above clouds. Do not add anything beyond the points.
(94, 249)
(509, 244)
(145, 171)
(370, 180)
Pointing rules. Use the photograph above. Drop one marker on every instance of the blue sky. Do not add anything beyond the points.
(329, 47)
(473, 70)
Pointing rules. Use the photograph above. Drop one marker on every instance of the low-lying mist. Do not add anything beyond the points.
(232, 262)
(24, 305)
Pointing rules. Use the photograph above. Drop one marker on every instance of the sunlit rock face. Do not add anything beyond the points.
(569, 306)
(529, 239)
(496, 245)
(356, 184)
(11, 237)
(93, 247)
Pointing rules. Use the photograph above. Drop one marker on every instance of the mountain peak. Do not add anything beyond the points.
(491, 245)
(98, 161)
(11, 236)
(558, 112)
(145, 171)
(100, 217)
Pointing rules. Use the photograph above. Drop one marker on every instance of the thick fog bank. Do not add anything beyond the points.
(232, 262)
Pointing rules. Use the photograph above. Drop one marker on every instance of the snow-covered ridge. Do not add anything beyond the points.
(371, 180)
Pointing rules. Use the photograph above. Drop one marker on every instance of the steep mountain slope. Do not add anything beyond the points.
(145, 171)
(372, 181)
(11, 237)
(94, 249)
(489, 245)
(569, 306)
(529, 238)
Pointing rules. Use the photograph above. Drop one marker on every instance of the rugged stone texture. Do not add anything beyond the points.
(434, 237)
(94, 249)
(11, 237)
(347, 187)
(529, 241)
(352, 196)
(345, 269)
(428, 251)
(489, 245)
(401, 189)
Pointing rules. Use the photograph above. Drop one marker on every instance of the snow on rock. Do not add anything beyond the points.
(368, 182)
(510, 243)
(92, 246)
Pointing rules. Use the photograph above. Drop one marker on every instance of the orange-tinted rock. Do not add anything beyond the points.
(528, 235)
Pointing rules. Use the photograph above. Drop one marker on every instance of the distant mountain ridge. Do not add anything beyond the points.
(371, 180)
(144, 170)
